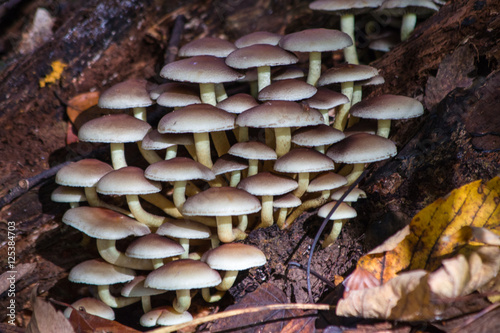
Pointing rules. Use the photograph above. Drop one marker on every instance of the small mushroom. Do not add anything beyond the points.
(340, 215)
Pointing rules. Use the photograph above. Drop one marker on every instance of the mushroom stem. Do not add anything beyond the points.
(313, 203)
(140, 113)
(146, 303)
(163, 203)
(267, 218)
(263, 77)
(202, 143)
(94, 201)
(235, 178)
(183, 300)
(107, 250)
(157, 263)
(408, 25)
(281, 217)
(112, 301)
(209, 298)
(220, 92)
(179, 195)
(225, 229)
(326, 116)
(341, 116)
(151, 220)
(357, 170)
(221, 142)
(253, 167)
(185, 244)
(383, 127)
(207, 93)
(347, 26)
(242, 134)
(117, 155)
(149, 155)
(334, 234)
(314, 68)
(227, 280)
(171, 152)
(357, 95)
(303, 181)
(283, 140)
(192, 151)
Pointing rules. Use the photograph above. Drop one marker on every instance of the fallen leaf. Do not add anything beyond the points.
(80, 103)
(84, 322)
(286, 321)
(46, 318)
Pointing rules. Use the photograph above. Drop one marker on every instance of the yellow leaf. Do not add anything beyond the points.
(57, 69)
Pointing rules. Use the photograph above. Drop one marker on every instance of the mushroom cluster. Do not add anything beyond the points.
(221, 166)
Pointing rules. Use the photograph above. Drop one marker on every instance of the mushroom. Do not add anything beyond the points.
(182, 275)
(233, 164)
(287, 90)
(387, 107)
(253, 151)
(223, 203)
(155, 140)
(237, 104)
(103, 274)
(315, 41)
(184, 230)
(92, 306)
(342, 213)
(108, 226)
(155, 248)
(165, 316)
(258, 37)
(324, 100)
(317, 136)
(68, 194)
(136, 288)
(283, 203)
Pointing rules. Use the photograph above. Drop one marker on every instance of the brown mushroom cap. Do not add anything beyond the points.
(128, 94)
(228, 163)
(99, 272)
(342, 6)
(175, 94)
(266, 183)
(115, 128)
(388, 107)
(234, 257)
(326, 99)
(258, 37)
(155, 140)
(287, 201)
(84, 173)
(344, 211)
(303, 160)
(68, 194)
(319, 135)
(362, 148)
(315, 40)
(260, 55)
(237, 103)
(127, 180)
(326, 181)
(178, 169)
(211, 46)
(153, 246)
(287, 90)
(93, 306)
(184, 229)
(347, 73)
(252, 150)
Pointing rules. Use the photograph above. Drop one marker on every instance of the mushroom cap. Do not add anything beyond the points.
(135, 288)
(128, 94)
(353, 196)
(326, 181)
(363, 126)
(289, 72)
(260, 55)
(258, 37)
(388, 107)
(153, 246)
(125, 181)
(319, 135)
(211, 46)
(287, 90)
(342, 6)
(175, 94)
(234, 257)
(68, 194)
(99, 272)
(303, 160)
(287, 201)
(196, 118)
(326, 99)
(344, 211)
(221, 201)
(178, 169)
(266, 183)
(93, 306)
(165, 316)
(200, 69)
(84, 173)
(103, 223)
(229, 163)
(347, 73)
(155, 140)
(400, 7)
(117, 128)
(184, 229)
(315, 40)
(274, 114)
(252, 150)
(362, 148)
(183, 274)
(237, 103)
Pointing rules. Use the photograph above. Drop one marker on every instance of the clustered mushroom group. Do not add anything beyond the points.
(231, 163)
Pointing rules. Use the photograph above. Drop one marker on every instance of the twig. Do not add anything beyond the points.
(231, 313)
(322, 227)
(175, 39)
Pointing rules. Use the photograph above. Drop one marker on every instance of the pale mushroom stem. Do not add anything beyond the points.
(220, 92)
(253, 167)
(146, 303)
(408, 25)
(94, 201)
(117, 155)
(185, 244)
(384, 127)
(326, 116)
(334, 234)
(151, 220)
(263, 77)
(227, 281)
(112, 301)
(281, 217)
(171, 152)
(192, 151)
(314, 68)
(347, 26)
(341, 116)
(283, 140)
(242, 222)
(357, 95)
(157, 263)
(242, 134)
(179, 195)
(202, 143)
(207, 93)
(140, 113)
(321, 149)
(309, 204)
(267, 218)
(183, 300)
(107, 250)
(225, 229)
(221, 143)
(211, 298)
(303, 181)
(149, 155)
(357, 170)
(235, 178)
(163, 203)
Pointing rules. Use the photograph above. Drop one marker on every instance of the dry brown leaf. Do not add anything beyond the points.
(285, 321)
(84, 322)
(46, 319)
